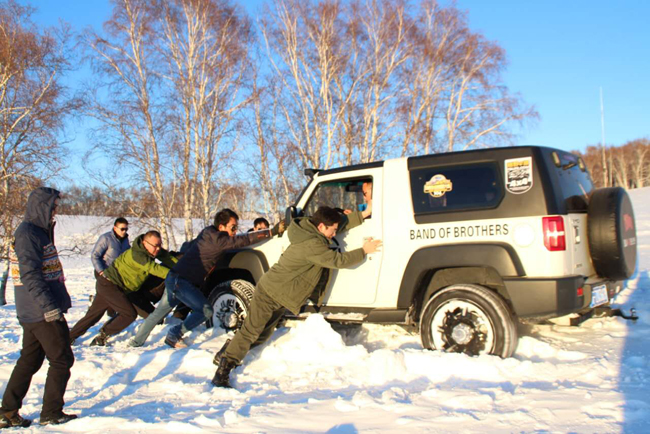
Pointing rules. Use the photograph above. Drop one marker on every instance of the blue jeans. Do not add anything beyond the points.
(177, 290)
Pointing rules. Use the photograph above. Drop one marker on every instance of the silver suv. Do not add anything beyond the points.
(473, 242)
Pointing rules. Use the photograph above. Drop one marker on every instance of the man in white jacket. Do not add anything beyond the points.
(110, 245)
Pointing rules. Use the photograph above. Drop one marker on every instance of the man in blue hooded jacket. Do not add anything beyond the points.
(41, 300)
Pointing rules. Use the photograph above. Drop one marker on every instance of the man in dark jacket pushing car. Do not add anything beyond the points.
(186, 277)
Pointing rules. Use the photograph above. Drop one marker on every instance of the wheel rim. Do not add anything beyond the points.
(229, 312)
(460, 326)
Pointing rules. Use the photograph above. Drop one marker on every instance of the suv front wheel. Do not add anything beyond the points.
(468, 319)
(231, 302)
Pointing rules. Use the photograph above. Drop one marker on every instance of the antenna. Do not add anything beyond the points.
(602, 117)
(602, 143)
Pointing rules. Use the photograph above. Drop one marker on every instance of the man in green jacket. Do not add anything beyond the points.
(301, 273)
(125, 275)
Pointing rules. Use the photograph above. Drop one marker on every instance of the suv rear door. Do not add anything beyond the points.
(572, 186)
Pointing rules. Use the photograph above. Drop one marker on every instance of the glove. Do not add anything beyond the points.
(53, 315)
(278, 229)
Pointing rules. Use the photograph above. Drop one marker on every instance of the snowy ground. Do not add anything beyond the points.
(312, 377)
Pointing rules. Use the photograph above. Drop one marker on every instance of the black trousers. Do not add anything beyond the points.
(109, 295)
(40, 340)
(145, 298)
(110, 310)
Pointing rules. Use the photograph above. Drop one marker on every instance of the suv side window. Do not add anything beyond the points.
(455, 188)
(346, 194)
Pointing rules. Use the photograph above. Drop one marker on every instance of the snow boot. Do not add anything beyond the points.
(100, 340)
(220, 353)
(175, 341)
(57, 419)
(222, 376)
(12, 420)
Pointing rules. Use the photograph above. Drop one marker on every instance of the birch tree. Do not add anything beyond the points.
(206, 43)
(276, 168)
(386, 25)
(305, 42)
(34, 106)
(478, 105)
(129, 105)
(436, 32)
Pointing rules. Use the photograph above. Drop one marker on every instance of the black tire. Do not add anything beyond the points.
(612, 233)
(468, 319)
(231, 302)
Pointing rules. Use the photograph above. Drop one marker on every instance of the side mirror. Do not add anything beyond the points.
(290, 214)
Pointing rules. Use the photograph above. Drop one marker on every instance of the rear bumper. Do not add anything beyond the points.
(549, 298)
(546, 297)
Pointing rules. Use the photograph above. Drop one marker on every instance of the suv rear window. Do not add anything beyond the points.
(573, 179)
(455, 188)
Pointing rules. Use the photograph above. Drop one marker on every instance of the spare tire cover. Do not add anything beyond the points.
(612, 233)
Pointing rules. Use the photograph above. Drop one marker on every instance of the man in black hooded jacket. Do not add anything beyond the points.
(41, 301)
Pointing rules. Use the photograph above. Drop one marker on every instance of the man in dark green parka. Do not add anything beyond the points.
(302, 272)
(125, 275)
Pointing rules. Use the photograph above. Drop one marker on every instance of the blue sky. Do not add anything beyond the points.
(560, 54)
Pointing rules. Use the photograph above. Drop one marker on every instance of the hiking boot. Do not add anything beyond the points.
(100, 340)
(175, 341)
(13, 420)
(222, 376)
(220, 353)
(57, 419)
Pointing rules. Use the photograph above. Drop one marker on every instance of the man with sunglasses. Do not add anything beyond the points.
(124, 276)
(184, 281)
(110, 245)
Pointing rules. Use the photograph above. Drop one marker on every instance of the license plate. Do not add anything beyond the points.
(598, 295)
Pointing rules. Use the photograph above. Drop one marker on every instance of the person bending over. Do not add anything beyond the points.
(302, 272)
(125, 275)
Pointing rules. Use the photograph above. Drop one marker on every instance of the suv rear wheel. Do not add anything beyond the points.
(231, 302)
(468, 319)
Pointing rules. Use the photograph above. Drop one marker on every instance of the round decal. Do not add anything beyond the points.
(438, 185)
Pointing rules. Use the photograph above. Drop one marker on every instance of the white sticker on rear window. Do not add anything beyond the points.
(519, 175)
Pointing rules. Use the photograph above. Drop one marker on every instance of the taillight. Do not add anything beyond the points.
(554, 238)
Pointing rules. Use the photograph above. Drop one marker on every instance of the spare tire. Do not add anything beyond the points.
(612, 233)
